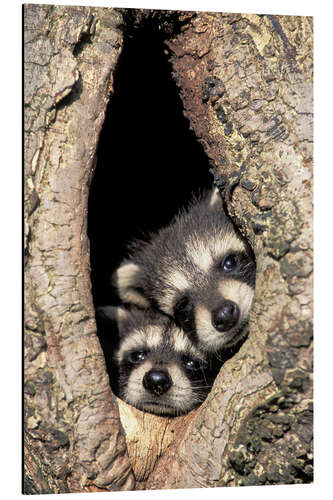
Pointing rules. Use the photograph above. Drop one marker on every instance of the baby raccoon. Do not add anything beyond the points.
(198, 270)
(159, 370)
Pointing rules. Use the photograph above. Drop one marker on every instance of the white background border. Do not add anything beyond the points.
(11, 242)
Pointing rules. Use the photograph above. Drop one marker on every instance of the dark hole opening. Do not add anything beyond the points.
(149, 162)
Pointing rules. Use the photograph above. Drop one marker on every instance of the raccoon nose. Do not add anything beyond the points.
(225, 316)
(157, 382)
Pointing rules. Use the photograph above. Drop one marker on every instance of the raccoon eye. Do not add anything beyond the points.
(136, 357)
(191, 364)
(229, 263)
(181, 305)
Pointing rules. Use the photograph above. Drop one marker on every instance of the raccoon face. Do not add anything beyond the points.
(199, 271)
(214, 310)
(160, 371)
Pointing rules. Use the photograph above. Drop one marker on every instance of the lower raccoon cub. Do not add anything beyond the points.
(159, 369)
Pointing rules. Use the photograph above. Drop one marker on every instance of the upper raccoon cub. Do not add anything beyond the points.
(159, 370)
(198, 270)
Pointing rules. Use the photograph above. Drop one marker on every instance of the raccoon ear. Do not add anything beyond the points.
(115, 314)
(126, 279)
(215, 198)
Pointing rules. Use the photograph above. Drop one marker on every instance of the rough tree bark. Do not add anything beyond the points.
(73, 437)
(246, 86)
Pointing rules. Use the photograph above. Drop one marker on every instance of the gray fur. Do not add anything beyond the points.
(167, 350)
(183, 261)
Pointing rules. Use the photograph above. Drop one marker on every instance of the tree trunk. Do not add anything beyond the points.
(246, 86)
(72, 430)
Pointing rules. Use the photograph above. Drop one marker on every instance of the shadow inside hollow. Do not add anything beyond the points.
(148, 165)
(149, 162)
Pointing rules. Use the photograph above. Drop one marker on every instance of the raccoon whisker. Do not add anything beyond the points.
(220, 358)
(201, 386)
(204, 376)
(195, 398)
(192, 387)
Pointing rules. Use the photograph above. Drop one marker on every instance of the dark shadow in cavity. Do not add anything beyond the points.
(149, 162)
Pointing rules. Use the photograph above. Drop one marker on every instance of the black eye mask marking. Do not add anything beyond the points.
(229, 263)
(192, 364)
(136, 357)
(184, 313)
(239, 266)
